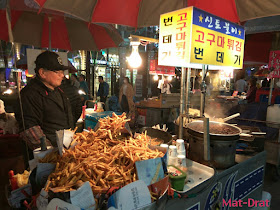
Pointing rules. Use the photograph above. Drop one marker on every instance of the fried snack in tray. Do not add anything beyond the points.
(52, 157)
(104, 158)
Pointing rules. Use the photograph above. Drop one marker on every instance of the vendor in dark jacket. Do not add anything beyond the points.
(74, 97)
(45, 107)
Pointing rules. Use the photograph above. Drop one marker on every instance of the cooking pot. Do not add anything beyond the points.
(223, 138)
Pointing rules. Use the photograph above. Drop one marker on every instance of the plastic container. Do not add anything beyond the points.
(273, 115)
(177, 177)
(266, 196)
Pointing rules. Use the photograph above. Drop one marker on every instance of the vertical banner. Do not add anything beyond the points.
(274, 64)
(175, 38)
(138, 85)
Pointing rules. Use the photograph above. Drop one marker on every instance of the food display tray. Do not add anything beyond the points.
(197, 175)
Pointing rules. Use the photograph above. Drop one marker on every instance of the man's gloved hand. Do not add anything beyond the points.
(32, 137)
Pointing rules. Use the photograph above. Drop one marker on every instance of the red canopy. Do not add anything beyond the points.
(257, 48)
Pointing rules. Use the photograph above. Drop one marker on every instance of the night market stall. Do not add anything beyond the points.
(110, 167)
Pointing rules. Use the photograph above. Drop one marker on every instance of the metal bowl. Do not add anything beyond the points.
(192, 126)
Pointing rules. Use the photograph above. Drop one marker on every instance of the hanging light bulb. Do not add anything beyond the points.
(134, 59)
(169, 78)
(156, 77)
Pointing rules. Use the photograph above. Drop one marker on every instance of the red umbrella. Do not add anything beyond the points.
(140, 13)
(67, 33)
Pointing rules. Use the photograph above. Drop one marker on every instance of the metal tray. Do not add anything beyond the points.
(196, 175)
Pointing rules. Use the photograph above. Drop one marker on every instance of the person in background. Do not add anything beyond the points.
(265, 83)
(126, 97)
(175, 85)
(84, 88)
(45, 107)
(251, 94)
(240, 85)
(209, 86)
(165, 88)
(197, 83)
(74, 81)
(103, 90)
(74, 97)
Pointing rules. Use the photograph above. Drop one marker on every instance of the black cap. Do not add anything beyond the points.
(50, 61)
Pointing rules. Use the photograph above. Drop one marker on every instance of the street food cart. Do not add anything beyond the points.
(192, 38)
(103, 162)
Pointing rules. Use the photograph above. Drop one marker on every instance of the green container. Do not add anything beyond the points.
(177, 182)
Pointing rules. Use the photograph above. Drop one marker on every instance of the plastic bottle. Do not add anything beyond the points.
(13, 180)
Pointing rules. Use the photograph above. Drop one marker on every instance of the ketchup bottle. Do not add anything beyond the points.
(13, 180)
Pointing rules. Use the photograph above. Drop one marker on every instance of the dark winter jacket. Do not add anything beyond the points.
(74, 97)
(49, 109)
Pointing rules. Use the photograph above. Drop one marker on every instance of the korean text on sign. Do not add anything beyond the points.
(197, 37)
(216, 41)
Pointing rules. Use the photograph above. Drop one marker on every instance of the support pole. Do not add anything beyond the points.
(50, 33)
(270, 91)
(206, 139)
(182, 101)
(188, 89)
(203, 92)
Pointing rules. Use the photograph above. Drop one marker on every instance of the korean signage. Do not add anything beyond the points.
(156, 69)
(192, 36)
(274, 63)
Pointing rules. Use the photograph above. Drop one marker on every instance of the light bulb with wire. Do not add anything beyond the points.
(169, 78)
(135, 59)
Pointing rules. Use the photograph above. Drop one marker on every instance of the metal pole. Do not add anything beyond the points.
(50, 33)
(202, 95)
(188, 88)
(270, 91)
(206, 139)
(182, 101)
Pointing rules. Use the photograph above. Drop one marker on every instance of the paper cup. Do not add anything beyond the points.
(164, 146)
(180, 144)
(182, 152)
(181, 161)
(172, 152)
(172, 161)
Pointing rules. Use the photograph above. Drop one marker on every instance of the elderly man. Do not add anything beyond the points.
(45, 108)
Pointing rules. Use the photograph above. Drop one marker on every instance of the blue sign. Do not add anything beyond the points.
(209, 21)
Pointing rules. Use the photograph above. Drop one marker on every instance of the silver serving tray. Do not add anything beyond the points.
(196, 175)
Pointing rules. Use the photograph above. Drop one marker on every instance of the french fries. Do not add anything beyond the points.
(104, 158)
(51, 157)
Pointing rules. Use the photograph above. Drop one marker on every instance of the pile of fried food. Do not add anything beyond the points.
(105, 158)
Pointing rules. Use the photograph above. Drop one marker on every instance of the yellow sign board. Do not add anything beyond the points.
(190, 37)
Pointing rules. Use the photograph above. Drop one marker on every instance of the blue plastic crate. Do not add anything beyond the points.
(92, 119)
